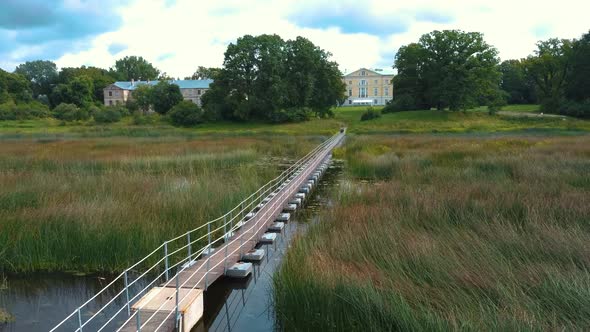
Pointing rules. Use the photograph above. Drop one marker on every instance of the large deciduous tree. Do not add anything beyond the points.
(548, 68)
(165, 96)
(449, 68)
(204, 73)
(42, 75)
(134, 68)
(578, 83)
(516, 83)
(267, 78)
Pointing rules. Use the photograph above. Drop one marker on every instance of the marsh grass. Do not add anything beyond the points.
(98, 204)
(449, 234)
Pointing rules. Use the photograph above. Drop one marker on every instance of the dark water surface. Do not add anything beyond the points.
(39, 302)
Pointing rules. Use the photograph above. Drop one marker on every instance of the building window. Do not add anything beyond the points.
(349, 102)
(349, 82)
(363, 93)
(110, 103)
(375, 92)
(110, 93)
(386, 91)
(376, 81)
(363, 82)
(376, 102)
(199, 92)
(363, 73)
(350, 92)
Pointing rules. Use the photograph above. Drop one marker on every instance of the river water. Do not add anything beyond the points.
(39, 302)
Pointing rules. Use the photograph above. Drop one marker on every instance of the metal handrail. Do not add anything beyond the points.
(232, 221)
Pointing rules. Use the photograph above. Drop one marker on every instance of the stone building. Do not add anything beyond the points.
(368, 87)
(120, 92)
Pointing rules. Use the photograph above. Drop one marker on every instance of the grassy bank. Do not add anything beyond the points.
(476, 120)
(98, 204)
(449, 233)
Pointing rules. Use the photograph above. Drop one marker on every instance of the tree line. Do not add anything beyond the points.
(264, 78)
(458, 70)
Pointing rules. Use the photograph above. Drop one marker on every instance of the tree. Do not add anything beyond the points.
(267, 78)
(100, 78)
(143, 96)
(578, 82)
(459, 68)
(204, 73)
(79, 91)
(548, 68)
(186, 113)
(70, 112)
(516, 83)
(409, 86)
(14, 88)
(165, 96)
(41, 74)
(136, 68)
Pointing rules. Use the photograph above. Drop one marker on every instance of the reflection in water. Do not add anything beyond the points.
(39, 302)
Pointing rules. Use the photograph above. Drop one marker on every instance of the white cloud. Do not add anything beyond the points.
(197, 32)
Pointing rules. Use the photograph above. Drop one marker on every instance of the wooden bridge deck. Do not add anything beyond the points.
(206, 270)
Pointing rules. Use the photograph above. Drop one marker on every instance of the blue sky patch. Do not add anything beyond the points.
(115, 48)
(165, 56)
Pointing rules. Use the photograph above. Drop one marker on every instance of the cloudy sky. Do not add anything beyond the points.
(179, 35)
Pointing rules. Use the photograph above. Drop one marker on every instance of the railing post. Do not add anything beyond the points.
(176, 318)
(80, 319)
(127, 293)
(138, 321)
(227, 237)
(166, 258)
(208, 255)
(188, 238)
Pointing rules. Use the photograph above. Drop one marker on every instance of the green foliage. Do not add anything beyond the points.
(370, 114)
(548, 69)
(145, 119)
(449, 68)
(164, 96)
(23, 111)
(78, 91)
(70, 112)
(401, 103)
(516, 83)
(143, 96)
(108, 115)
(134, 68)
(186, 114)
(204, 73)
(100, 78)
(131, 105)
(41, 74)
(14, 87)
(578, 82)
(266, 78)
(575, 108)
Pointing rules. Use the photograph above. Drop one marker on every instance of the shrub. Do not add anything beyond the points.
(401, 103)
(186, 113)
(145, 119)
(575, 109)
(370, 114)
(24, 111)
(291, 115)
(108, 115)
(70, 112)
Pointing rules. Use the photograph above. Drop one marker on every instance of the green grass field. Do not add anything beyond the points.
(473, 121)
(447, 233)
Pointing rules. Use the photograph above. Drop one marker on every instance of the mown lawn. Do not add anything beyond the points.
(431, 121)
(435, 233)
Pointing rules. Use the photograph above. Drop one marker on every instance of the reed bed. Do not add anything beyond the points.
(439, 233)
(99, 204)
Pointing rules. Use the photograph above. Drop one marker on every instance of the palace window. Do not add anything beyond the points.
(350, 92)
(110, 93)
(386, 91)
(363, 82)
(376, 91)
(363, 93)
(363, 73)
